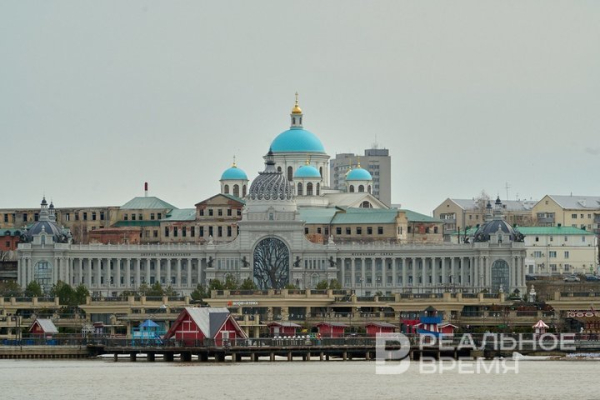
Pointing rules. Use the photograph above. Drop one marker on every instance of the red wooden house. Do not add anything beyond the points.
(373, 328)
(199, 326)
(447, 329)
(283, 328)
(43, 328)
(331, 329)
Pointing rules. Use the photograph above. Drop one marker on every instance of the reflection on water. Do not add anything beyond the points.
(94, 379)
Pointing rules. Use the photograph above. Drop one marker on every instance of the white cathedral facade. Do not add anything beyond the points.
(271, 247)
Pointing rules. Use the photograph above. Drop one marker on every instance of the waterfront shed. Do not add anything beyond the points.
(331, 329)
(283, 328)
(43, 328)
(373, 328)
(199, 326)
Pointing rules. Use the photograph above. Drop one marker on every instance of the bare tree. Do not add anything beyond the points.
(271, 264)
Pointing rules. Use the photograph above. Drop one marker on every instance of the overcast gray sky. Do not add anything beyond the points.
(97, 97)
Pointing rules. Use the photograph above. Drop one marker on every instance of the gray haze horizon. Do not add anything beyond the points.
(97, 98)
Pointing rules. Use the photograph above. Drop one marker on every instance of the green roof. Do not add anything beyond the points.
(185, 214)
(234, 198)
(147, 203)
(416, 217)
(552, 230)
(365, 216)
(317, 215)
(122, 224)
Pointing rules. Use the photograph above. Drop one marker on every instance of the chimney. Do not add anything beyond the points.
(145, 189)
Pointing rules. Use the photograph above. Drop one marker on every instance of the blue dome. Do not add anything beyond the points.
(359, 174)
(307, 171)
(297, 140)
(234, 174)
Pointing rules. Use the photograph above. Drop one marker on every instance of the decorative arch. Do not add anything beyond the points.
(361, 188)
(351, 188)
(299, 188)
(500, 276)
(226, 189)
(290, 173)
(236, 190)
(271, 264)
(366, 204)
(42, 274)
(244, 191)
(309, 189)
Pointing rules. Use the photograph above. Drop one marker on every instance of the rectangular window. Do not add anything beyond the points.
(380, 230)
(552, 238)
(369, 230)
(228, 231)
(133, 217)
(141, 217)
(5, 217)
(76, 216)
(229, 212)
(338, 231)
(566, 255)
(553, 267)
(36, 217)
(93, 215)
(193, 231)
(101, 215)
(201, 231)
(85, 216)
(159, 215)
(125, 217)
(220, 212)
(210, 231)
(219, 231)
(239, 212)
(552, 254)
(537, 254)
(306, 231)
(319, 231)
(210, 212)
(24, 217)
(359, 230)
(175, 232)
(155, 233)
(348, 232)
(184, 231)
(152, 216)
(326, 231)
(166, 231)
(67, 217)
(201, 212)
(574, 216)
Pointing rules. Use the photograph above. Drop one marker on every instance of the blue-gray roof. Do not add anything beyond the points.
(183, 214)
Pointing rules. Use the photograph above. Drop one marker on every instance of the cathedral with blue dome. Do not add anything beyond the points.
(286, 228)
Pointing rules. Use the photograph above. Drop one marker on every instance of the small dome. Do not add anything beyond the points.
(234, 174)
(297, 140)
(307, 171)
(48, 227)
(359, 174)
(296, 110)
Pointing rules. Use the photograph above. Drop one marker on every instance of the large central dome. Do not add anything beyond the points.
(297, 140)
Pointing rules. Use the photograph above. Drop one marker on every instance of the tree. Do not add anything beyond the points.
(216, 284)
(64, 292)
(290, 286)
(33, 289)
(230, 282)
(199, 293)
(335, 284)
(156, 290)
(481, 202)
(81, 294)
(169, 291)
(248, 284)
(322, 285)
(271, 264)
(10, 289)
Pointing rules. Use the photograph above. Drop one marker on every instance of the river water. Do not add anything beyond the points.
(105, 379)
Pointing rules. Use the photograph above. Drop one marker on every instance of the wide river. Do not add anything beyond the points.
(104, 379)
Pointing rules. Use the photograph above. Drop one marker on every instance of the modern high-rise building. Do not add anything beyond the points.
(377, 161)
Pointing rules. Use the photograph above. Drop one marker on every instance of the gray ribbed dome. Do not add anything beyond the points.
(495, 223)
(45, 226)
(270, 184)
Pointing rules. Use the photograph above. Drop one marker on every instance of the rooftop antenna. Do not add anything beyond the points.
(507, 186)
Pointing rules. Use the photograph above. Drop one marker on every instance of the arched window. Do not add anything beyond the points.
(278, 169)
(366, 204)
(361, 188)
(226, 189)
(321, 171)
(236, 190)
(294, 120)
(244, 191)
(290, 173)
(351, 188)
(309, 189)
(299, 189)
(369, 188)
(318, 188)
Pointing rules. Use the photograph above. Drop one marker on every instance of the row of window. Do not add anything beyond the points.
(574, 216)
(551, 254)
(140, 217)
(211, 212)
(202, 232)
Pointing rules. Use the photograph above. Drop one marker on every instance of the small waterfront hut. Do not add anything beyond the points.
(205, 326)
(43, 328)
(283, 328)
(540, 327)
(373, 328)
(331, 329)
(447, 329)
